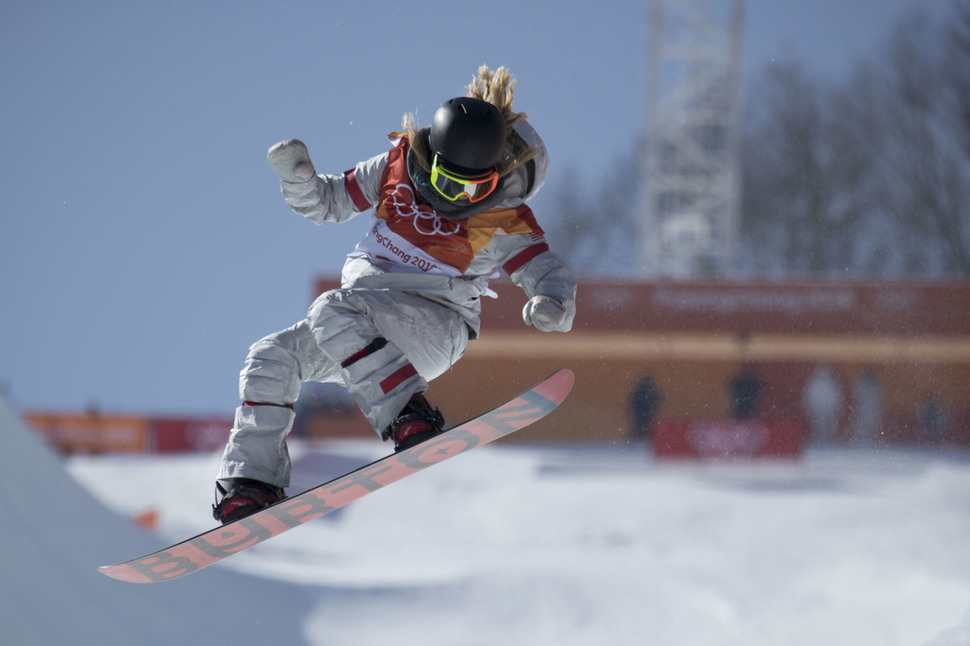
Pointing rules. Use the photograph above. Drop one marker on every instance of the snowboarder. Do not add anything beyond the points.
(448, 209)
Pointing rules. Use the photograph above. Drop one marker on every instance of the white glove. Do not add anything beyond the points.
(291, 161)
(544, 312)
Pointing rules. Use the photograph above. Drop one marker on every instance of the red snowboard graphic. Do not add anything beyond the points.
(216, 544)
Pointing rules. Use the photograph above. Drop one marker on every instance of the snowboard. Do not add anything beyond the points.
(216, 544)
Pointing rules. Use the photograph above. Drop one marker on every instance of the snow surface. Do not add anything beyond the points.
(54, 534)
(508, 544)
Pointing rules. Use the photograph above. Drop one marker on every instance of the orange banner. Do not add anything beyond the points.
(92, 433)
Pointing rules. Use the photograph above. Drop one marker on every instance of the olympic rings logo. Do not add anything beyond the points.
(426, 221)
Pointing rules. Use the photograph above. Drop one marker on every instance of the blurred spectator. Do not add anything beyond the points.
(643, 405)
(932, 419)
(867, 408)
(822, 400)
(745, 393)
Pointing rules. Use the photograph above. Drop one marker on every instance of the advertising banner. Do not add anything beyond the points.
(727, 438)
(91, 433)
(203, 434)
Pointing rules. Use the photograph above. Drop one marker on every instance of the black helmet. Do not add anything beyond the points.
(468, 134)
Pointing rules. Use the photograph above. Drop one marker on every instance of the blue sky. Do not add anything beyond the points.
(144, 243)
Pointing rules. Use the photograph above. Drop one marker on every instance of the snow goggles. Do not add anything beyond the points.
(454, 186)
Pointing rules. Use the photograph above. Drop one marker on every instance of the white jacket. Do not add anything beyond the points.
(412, 248)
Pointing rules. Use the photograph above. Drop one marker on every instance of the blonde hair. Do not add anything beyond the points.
(498, 89)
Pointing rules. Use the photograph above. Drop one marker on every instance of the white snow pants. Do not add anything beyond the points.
(336, 343)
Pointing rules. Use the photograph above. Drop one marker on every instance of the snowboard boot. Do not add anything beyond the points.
(416, 423)
(244, 497)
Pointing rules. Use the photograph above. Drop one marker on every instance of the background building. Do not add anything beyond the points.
(694, 338)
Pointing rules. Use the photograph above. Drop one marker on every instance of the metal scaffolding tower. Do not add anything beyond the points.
(691, 171)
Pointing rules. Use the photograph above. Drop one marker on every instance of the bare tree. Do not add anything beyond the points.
(935, 95)
(871, 177)
(866, 177)
(795, 213)
(596, 228)
(916, 109)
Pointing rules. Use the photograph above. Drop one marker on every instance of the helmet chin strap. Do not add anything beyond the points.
(459, 210)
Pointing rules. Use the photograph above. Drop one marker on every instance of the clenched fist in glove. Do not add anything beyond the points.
(291, 161)
(544, 312)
